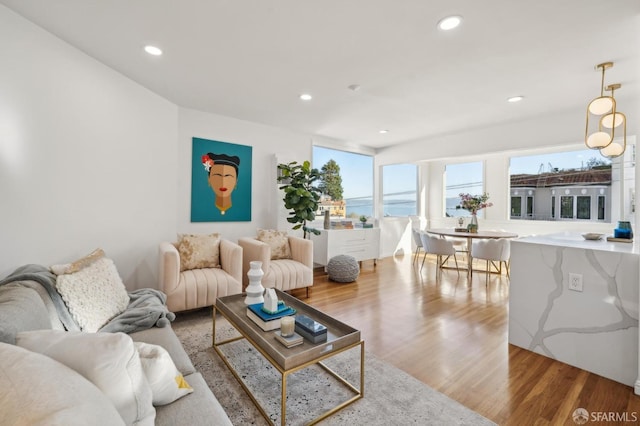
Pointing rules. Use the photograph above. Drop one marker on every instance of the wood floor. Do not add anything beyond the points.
(452, 335)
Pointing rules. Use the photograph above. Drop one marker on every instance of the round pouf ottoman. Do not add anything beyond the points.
(343, 268)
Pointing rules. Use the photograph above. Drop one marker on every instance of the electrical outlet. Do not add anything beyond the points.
(575, 282)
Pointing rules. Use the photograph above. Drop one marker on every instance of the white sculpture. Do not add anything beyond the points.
(270, 300)
(254, 290)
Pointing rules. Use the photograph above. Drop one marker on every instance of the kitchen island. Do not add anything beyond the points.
(576, 301)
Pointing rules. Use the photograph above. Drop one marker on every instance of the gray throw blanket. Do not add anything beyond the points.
(46, 279)
(146, 308)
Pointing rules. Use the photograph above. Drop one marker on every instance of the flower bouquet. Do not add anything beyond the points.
(473, 203)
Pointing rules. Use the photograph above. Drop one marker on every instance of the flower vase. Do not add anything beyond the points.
(473, 223)
(255, 290)
(327, 219)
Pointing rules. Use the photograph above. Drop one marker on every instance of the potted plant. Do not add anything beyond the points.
(301, 196)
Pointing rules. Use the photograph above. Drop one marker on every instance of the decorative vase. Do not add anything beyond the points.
(327, 219)
(623, 230)
(255, 291)
(473, 223)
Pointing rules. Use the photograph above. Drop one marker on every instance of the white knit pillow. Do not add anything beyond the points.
(94, 294)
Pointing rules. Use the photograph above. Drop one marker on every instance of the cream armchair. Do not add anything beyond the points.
(197, 288)
(283, 274)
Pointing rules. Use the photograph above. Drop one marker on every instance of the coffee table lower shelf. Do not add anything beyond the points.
(358, 393)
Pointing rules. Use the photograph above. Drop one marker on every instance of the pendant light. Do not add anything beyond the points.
(612, 121)
(597, 136)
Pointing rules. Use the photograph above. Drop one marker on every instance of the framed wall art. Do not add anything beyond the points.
(220, 181)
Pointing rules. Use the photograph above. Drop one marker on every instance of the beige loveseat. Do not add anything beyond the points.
(294, 270)
(199, 287)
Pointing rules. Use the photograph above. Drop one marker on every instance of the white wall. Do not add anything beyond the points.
(86, 157)
(89, 159)
(266, 142)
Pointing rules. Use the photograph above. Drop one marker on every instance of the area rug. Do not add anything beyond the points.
(391, 397)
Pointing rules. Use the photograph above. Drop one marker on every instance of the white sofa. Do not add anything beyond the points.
(36, 389)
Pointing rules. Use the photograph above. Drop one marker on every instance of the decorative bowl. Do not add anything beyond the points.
(592, 236)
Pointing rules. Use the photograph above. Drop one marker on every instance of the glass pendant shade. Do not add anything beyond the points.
(599, 140)
(608, 121)
(612, 150)
(601, 105)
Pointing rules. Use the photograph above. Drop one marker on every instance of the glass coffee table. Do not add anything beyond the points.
(340, 338)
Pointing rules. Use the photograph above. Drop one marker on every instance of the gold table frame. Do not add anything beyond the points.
(317, 353)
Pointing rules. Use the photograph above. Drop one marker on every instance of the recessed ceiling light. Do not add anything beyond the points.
(449, 23)
(306, 97)
(514, 99)
(383, 131)
(152, 50)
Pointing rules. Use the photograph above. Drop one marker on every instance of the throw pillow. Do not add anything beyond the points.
(108, 360)
(167, 383)
(199, 251)
(69, 268)
(278, 241)
(94, 294)
(37, 390)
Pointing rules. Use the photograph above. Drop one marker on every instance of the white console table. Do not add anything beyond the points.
(361, 243)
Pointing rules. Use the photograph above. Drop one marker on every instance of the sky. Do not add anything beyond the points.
(357, 171)
(561, 160)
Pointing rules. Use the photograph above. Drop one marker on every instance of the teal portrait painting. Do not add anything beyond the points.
(220, 181)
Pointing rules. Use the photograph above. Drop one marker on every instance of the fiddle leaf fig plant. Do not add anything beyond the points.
(301, 196)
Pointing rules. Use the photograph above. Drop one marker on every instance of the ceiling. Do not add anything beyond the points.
(251, 59)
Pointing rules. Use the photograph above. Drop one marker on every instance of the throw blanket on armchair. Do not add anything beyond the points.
(146, 307)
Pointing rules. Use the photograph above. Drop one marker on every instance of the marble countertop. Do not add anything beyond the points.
(575, 240)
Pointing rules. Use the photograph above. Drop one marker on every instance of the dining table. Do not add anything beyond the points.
(470, 236)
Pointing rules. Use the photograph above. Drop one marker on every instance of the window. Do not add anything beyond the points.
(566, 207)
(516, 207)
(461, 178)
(583, 207)
(574, 185)
(356, 173)
(601, 208)
(399, 190)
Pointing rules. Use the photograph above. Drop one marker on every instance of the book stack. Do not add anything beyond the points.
(341, 224)
(289, 341)
(268, 321)
(310, 329)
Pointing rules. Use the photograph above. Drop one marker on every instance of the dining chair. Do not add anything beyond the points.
(440, 247)
(418, 242)
(492, 251)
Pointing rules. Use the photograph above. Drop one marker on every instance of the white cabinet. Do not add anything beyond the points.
(361, 243)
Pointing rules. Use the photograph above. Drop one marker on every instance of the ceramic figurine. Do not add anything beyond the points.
(270, 300)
